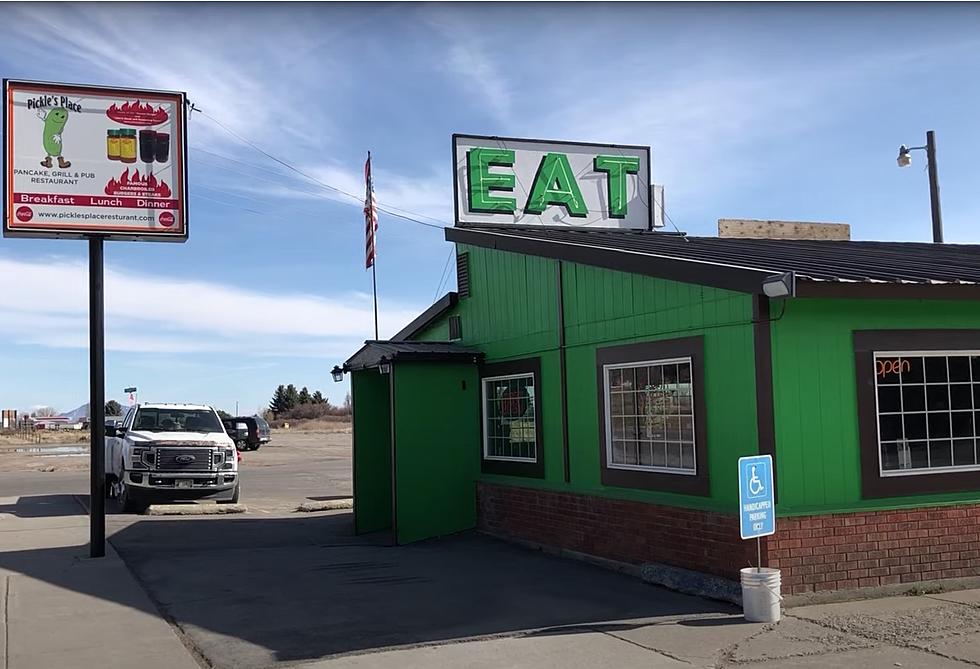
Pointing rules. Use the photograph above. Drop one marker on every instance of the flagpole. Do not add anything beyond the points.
(374, 285)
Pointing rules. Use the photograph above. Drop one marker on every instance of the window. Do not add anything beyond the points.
(510, 394)
(651, 428)
(927, 408)
(650, 416)
(177, 420)
(918, 395)
(455, 328)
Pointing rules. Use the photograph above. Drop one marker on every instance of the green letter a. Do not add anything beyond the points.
(555, 184)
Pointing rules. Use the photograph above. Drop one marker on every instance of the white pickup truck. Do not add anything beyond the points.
(170, 452)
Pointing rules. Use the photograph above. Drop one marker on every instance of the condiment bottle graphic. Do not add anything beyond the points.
(127, 146)
(112, 144)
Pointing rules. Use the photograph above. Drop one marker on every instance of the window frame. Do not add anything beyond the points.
(869, 344)
(640, 476)
(510, 466)
(607, 394)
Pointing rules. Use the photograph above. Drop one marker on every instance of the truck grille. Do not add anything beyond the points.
(184, 459)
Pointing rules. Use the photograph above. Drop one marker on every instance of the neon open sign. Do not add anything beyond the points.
(896, 366)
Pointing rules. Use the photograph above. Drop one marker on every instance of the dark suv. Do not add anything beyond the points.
(248, 432)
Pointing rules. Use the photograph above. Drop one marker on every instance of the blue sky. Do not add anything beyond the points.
(764, 111)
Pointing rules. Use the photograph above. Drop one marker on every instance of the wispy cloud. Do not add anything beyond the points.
(468, 59)
(162, 314)
(239, 75)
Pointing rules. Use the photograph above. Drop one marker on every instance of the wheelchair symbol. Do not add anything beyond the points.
(756, 489)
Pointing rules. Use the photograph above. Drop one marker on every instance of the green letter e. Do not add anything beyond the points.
(481, 180)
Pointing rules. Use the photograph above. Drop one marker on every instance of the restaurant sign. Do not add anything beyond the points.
(525, 182)
(81, 161)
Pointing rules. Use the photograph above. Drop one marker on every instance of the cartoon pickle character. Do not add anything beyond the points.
(54, 125)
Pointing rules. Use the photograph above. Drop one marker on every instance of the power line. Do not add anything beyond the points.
(445, 274)
(256, 147)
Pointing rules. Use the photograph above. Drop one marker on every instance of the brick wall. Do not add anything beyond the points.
(632, 532)
(858, 550)
(814, 553)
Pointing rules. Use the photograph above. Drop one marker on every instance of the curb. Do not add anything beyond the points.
(326, 505)
(194, 509)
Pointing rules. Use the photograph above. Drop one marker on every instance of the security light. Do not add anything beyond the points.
(904, 156)
(337, 373)
(779, 285)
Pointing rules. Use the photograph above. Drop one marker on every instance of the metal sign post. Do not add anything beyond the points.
(96, 361)
(756, 500)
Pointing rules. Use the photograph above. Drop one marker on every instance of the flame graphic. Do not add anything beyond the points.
(134, 113)
(136, 185)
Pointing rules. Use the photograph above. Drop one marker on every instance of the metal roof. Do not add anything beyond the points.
(742, 261)
(372, 353)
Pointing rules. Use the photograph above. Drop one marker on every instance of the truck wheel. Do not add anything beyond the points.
(126, 501)
(235, 497)
(241, 445)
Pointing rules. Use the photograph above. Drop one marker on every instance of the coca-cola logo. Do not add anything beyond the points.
(166, 219)
(24, 214)
(134, 113)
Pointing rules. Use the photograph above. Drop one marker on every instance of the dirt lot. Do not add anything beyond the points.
(68, 451)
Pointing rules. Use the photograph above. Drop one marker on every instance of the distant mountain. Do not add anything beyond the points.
(77, 415)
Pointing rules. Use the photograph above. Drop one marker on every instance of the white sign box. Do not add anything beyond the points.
(525, 182)
(81, 161)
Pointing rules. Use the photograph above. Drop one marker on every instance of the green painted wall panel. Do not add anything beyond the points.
(815, 396)
(512, 313)
(372, 451)
(436, 427)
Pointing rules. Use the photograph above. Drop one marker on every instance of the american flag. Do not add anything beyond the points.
(370, 215)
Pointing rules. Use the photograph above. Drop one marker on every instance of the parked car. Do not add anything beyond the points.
(170, 452)
(248, 432)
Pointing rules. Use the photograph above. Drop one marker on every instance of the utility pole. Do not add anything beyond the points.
(905, 159)
(937, 216)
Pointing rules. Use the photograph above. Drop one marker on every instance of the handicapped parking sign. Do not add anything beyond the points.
(757, 504)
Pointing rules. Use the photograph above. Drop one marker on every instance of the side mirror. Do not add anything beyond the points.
(120, 431)
(110, 431)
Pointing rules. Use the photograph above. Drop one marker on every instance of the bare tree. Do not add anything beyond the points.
(45, 412)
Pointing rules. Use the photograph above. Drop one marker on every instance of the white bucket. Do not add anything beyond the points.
(760, 594)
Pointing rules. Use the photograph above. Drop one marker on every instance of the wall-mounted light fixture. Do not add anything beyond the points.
(780, 285)
(337, 373)
(384, 366)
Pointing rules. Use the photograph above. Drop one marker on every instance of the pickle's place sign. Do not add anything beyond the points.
(80, 161)
(527, 182)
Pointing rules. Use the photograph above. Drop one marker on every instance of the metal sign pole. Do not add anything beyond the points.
(96, 345)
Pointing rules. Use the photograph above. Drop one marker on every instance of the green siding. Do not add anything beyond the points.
(815, 396)
(512, 313)
(436, 464)
(372, 451)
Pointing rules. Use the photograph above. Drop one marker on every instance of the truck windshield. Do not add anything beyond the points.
(177, 420)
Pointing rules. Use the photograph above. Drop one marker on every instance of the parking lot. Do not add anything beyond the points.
(297, 466)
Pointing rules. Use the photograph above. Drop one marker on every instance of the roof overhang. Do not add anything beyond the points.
(687, 270)
(373, 353)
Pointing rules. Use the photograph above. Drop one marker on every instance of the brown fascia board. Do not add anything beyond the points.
(728, 277)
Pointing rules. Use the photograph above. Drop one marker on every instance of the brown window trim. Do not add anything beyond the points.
(866, 342)
(692, 347)
(530, 469)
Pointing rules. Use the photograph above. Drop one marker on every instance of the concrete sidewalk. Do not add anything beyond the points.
(58, 608)
(340, 603)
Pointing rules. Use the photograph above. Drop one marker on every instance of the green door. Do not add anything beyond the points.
(436, 448)
(372, 451)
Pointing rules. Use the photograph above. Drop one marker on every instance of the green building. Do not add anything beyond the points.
(592, 390)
